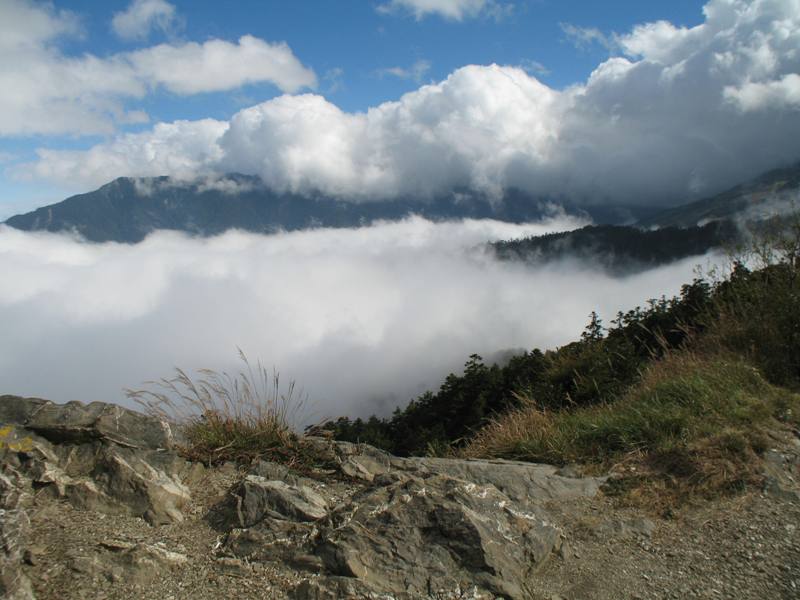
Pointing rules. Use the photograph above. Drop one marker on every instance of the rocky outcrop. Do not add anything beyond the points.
(409, 528)
(367, 525)
(13, 527)
(98, 456)
(75, 422)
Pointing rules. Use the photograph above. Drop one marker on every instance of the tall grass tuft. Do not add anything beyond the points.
(226, 416)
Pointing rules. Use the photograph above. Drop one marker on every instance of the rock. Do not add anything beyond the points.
(76, 422)
(99, 457)
(270, 540)
(440, 534)
(256, 498)
(15, 410)
(14, 523)
(518, 480)
(144, 490)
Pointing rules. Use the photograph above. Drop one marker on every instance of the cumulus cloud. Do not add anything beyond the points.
(49, 92)
(758, 96)
(218, 65)
(684, 112)
(141, 17)
(363, 319)
(456, 10)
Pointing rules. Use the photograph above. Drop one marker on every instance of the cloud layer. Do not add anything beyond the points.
(685, 112)
(363, 319)
(49, 92)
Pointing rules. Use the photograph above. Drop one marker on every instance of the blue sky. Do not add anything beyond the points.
(356, 55)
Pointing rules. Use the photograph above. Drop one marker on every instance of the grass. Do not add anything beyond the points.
(692, 426)
(227, 417)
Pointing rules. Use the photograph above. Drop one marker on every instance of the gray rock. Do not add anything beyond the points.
(256, 498)
(336, 588)
(270, 540)
(518, 480)
(15, 410)
(14, 523)
(143, 489)
(97, 456)
(440, 535)
(76, 422)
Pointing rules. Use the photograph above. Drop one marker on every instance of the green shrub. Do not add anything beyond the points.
(681, 402)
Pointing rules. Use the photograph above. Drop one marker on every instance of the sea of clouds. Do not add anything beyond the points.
(363, 319)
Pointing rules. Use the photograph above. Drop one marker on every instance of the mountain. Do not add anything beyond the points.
(687, 230)
(774, 192)
(128, 209)
(619, 249)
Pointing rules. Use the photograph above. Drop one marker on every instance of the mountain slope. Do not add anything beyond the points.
(619, 249)
(127, 209)
(776, 191)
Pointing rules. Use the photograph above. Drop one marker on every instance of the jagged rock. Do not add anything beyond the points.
(270, 540)
(98, 456)
(518, 480)
(256, 497)
(75, 422)
(440, 535)
(335, 588)
(14, 585)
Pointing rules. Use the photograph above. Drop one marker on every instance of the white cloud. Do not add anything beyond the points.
(49, 92)
(675, 118)
(415, 72)
(141, 17)
(758, 96)
(218, 65)
(583, 37)
(82, 321)
(182, 149)
(456, 10)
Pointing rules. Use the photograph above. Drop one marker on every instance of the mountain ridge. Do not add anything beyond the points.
(128, 209)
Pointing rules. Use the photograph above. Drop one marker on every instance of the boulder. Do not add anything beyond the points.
(97, 456)
(256, 498)
(75, 422)
(436, 536)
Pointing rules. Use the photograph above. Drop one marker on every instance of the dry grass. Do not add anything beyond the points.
(228, 417)
(693, 427)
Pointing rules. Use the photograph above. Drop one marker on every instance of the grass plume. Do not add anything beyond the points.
(227, 416)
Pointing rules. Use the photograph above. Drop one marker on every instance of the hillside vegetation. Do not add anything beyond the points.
(689, 387)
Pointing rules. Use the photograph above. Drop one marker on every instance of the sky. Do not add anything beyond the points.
(622, 102)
